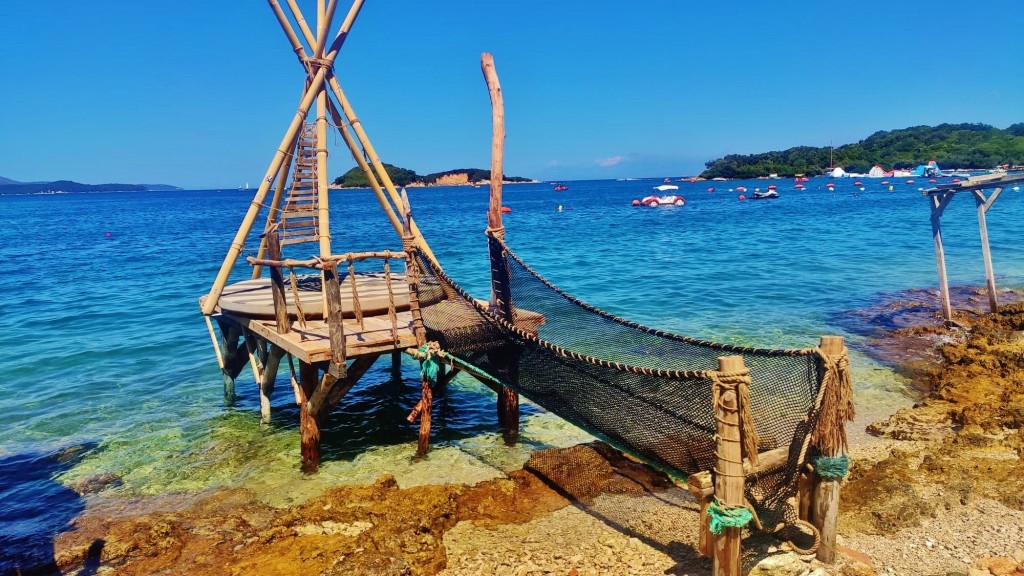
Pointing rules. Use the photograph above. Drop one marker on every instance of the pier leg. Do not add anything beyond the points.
(235, 357)
(426, 405)
(825, 513)
(396, 366)
(309, 421)
(267, 383)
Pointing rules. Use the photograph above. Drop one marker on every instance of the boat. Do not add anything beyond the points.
(666, 187)
(764, 195)
(654, 200)
(560, 187)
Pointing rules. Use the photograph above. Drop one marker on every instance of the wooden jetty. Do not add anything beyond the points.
(939, 198)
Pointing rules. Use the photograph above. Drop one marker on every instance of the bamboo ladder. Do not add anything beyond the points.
(300, 222)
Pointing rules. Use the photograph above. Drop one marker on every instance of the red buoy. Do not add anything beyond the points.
(799, 186)
(885, 182)
(773, 186)
(910, 181)
(692, 180)
(635, 202)
(956, 180)
(711, 189)
(858, 183)
(931, 180)
(742, 197)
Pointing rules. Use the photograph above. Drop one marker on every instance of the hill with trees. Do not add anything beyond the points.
(959, 146)
(8, 186)
(355, 178)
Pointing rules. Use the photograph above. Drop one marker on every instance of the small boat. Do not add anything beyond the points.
(666, 187)
(764, 195)
(654, 201)
(561, 187)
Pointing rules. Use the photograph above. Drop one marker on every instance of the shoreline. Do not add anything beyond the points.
(588, 509)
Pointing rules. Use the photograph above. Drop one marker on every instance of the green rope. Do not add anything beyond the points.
(832, 468)
(429, 366)
(722, 518)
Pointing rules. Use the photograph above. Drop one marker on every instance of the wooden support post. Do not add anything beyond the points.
(396, 366)
(235, 356)
(309, 421)
(274, 357)
(990, 277)
(334, 394)
(277, 283)
(335, 325)
(939, 204)
(702, 488)
(805, 494)
(501, 294)
(729, 466)
(826, 494)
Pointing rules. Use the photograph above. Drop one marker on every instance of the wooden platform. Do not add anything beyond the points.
(312, 344)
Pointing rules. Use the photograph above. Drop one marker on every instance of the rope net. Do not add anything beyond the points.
(644, 391)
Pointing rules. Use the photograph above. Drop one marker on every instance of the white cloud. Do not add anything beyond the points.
(612, 161)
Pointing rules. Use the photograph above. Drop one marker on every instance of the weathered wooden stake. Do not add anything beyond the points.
(277, 283)
(826, 494)
(938, 205)
(986, 254)
(702, 487)
(335, 324)
(729, 466)
(309, 421)
(274, 357)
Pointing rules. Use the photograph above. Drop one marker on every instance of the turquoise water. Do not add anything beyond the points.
(104, 348)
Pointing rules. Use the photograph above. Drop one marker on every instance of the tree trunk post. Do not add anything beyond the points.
(309, 421)
(729, 466)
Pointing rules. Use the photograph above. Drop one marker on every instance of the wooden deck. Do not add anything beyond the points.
(312, 344)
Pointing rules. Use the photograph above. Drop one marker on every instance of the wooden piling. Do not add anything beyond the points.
(501, 294)
(274, 356)
(826, 494)
(277, 283)
(702, 487)
(939, 204)
(986, 254)
(729, 467)
(309, 421)
(335, 325)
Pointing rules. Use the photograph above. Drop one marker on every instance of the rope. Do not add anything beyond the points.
(295, 295)
(429, 364)
(832, 467)
(391, 298)
(722, 518)
(813, 530)
(836, 405)
(740, 382)
(355, 293)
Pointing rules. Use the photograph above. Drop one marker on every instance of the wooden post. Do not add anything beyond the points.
(826, 494)
(990, 277)
(729, 466)
(501, 294)
(396, 366)
(335, 325)
(234, 358)
(277, 283)
(702, 487)
(412, 276)
(274, 357)
(309, 421)
(939, 204)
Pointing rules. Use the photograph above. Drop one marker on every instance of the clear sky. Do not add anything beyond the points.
(199, 93)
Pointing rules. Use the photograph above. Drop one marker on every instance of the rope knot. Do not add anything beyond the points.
(724, 517)
(429, 363)
(739, 381)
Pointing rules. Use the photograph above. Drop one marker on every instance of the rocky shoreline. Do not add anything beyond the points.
(938, 490)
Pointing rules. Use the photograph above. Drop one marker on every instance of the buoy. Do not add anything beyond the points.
(634, 203)
(711, 189)
(858, 183)
(861, 188)
(505, 210)
(741, 188)
(742, 197)
(830, 185)
(885, 182)
(956, 180)
(692, 180)
(773, 186)
(799, 186)
(931, 180)
(890, 188)
(910, 181)
(108, 234)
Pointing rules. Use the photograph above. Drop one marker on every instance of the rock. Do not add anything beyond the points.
(788, 564)
(999, 565)
(856, 568)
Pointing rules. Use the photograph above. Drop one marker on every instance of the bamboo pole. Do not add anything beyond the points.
(826, 494)
(323, 206)
(938, 205)
(275, 209)
(986, 254)
(339, 123)
(318, 263)
(729, 465)
(312, 90)
(375, 161)
(325, 25)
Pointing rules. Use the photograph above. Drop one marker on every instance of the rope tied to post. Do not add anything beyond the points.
(430, 364)
(832, 467)
(836, 405)
(740, 382)
(722, 517)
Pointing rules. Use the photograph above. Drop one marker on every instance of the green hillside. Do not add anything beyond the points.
(355, 178)
(962, 146)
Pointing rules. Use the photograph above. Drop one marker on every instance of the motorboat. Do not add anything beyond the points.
(764, 194)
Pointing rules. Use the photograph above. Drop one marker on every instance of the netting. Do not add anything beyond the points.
(644, 391)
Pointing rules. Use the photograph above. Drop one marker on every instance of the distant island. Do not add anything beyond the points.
(8, 186)
(956, 146)
(355, 178)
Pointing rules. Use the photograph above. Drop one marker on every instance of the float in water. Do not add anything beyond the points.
(654, 201)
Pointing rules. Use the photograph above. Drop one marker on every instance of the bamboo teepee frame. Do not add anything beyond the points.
(323, 89)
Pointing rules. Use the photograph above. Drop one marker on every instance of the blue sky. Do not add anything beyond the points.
(199, 93)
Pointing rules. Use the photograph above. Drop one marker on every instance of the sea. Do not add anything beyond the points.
(110, 389)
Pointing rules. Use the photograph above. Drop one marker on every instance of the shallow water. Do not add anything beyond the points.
(104, 346)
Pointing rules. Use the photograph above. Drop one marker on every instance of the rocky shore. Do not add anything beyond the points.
(938, 489)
